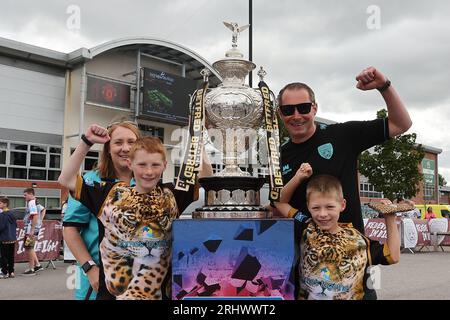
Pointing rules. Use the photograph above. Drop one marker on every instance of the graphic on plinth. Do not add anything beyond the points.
(233, 258)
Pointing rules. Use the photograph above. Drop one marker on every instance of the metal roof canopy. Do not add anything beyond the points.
(153, 46)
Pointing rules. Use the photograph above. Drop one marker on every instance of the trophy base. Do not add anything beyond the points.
(231, 183)
(232, 171)
(234, 197)
(213, 213)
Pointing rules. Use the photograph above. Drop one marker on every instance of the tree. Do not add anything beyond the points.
(393, 167)
(442, 181)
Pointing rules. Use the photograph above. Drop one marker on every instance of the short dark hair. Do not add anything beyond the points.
(5, 200)
(29, 190)
(297, 86)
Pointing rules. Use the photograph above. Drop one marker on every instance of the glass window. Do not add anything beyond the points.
(89, 163)
(152, 131)
(15, 146)
(368, 190)
(16, 173)
(16, 202)
(90, 160)
(53, 175)
(35, 174)
(55, 161)
(92, 154)
(18, 159)
(428, 192)
(42, 201)
(38, 160)
(38, 148)
(53, 203)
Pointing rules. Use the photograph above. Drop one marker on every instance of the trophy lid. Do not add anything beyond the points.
(234, 66)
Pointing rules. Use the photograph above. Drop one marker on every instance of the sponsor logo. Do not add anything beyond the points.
(286, 169)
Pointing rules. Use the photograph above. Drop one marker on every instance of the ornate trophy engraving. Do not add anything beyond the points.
(231, 111)
(233, 107)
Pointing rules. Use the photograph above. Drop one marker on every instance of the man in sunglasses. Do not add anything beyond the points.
(334, 149)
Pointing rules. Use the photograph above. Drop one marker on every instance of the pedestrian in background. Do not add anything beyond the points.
(8, 239)
(32, 224)
(430, 214)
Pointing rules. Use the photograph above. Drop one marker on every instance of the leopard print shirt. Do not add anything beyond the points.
(332, 266)
(136, 249)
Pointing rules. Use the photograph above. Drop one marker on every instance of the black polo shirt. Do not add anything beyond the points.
(334, 150)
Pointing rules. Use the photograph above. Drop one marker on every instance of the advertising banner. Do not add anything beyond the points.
(414, 232)
(375, 229)
(48, 242)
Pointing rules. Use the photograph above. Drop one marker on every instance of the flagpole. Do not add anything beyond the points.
(250, 40)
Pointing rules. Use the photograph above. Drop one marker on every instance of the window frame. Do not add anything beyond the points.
(29, 153)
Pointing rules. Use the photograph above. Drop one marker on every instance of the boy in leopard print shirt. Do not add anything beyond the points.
(334, 257)
(136, 248)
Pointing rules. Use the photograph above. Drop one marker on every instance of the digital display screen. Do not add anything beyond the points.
(108, 93)
(166, 96)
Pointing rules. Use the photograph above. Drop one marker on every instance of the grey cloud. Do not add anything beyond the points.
(323, 43)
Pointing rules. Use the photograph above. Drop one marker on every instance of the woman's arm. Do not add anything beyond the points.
(68, 176)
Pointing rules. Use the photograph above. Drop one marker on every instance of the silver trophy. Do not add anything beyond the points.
(233, 110)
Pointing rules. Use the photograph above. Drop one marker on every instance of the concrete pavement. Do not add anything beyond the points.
(423, 275)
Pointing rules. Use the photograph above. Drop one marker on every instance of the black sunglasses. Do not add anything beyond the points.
(302, 108)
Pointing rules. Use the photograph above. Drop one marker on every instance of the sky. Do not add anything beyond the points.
(323, 43)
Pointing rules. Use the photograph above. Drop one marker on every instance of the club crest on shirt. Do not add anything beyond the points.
(326, 151)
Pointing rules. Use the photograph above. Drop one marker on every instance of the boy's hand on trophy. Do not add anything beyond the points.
(305, 171)
(369, 79)
(97, 134)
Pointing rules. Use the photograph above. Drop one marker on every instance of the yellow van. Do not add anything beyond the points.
(440, 210)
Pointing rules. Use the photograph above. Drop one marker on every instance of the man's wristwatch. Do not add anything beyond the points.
(87, 266)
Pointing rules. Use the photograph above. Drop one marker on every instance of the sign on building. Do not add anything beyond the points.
(428, 169)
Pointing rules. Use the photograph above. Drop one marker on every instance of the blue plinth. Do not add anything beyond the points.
(233, 258)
